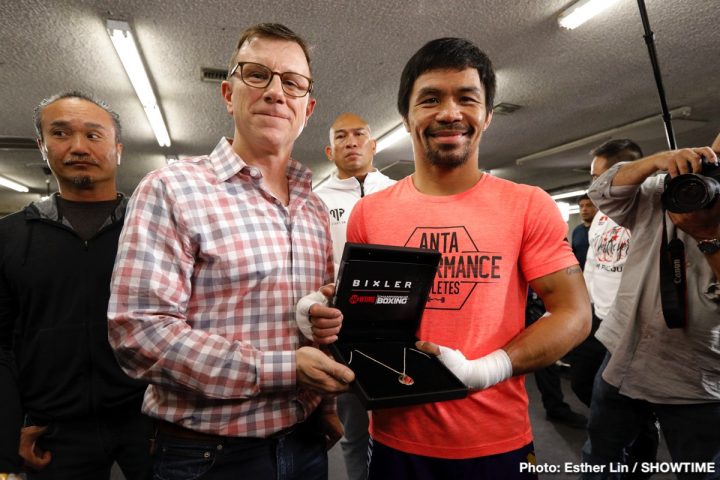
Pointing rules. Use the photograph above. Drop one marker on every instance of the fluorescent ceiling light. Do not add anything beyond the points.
(126, 48)
(13, 185)
(564, 208)
(391, 138)
(575, 193)
(582, 11)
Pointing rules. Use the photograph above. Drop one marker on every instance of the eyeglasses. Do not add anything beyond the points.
(257, 75)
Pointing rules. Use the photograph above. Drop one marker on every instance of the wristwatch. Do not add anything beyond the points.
(708, 247)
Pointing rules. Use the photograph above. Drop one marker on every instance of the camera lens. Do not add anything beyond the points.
(690, 192)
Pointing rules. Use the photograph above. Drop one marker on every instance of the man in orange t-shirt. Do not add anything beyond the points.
(496, 238)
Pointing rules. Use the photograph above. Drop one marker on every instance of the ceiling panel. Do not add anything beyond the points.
(570, 84)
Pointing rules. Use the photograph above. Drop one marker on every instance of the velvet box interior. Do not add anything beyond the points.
(382, 291)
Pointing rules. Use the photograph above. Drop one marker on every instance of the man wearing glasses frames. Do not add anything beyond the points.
(216, 252)
(259, 76)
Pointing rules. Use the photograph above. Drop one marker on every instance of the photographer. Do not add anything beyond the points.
(662, 364)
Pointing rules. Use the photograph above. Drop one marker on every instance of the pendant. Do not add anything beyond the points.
(406, 380)
(403, 378)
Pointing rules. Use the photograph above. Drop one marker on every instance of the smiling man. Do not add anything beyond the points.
(216, 252)
(445, 99)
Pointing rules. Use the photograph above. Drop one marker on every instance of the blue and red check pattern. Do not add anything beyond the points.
(209, 269)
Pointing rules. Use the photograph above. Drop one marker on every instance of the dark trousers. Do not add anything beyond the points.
(85, 449)
(716, 474)
(547, 379)
(354, 443)
(692, 431)
(389, 464)
(548, 383)
(299, 455)
(585, 360)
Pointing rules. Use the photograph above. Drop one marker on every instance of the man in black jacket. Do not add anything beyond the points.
(79, 410)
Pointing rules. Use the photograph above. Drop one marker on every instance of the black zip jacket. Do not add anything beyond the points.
(54, 293)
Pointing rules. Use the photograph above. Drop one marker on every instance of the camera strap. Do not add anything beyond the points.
(673, 279)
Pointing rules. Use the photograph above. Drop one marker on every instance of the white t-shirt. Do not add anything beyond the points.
(606, 257)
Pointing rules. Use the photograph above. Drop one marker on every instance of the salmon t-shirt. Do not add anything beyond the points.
(494, 238)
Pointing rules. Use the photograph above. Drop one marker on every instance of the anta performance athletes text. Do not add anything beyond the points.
(461, 268)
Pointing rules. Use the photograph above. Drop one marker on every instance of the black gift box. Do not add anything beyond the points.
(381, 291)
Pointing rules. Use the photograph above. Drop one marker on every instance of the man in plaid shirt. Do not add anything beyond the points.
(215, 253)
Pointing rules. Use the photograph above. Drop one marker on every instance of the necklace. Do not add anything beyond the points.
(403, 378)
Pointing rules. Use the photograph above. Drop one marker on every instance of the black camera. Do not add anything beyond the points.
(692, 191)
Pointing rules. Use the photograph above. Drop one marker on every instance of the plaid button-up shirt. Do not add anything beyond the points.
(209, 269)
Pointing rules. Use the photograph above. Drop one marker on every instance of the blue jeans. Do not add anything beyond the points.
(692, 431)
(298, 455)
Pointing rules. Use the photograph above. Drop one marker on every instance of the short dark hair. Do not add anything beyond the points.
(270, 30)
(582, 197)
(37, 113)
(450, 53)
(618, 150)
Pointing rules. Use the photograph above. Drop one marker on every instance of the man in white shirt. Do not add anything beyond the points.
(609, 244)
(351, 149)
(604, 265)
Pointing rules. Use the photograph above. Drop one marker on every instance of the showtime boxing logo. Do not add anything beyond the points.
(379, 299)
(369, 285)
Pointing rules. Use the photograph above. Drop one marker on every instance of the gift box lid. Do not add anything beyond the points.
(382, 290)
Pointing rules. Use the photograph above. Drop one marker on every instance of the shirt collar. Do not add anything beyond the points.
(226, 164)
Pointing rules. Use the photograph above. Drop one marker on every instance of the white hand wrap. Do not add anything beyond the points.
(302, 312)
(481, 373)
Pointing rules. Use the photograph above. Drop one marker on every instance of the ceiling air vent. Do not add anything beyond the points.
(505, 108)
(17, 143)
(213, 75)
